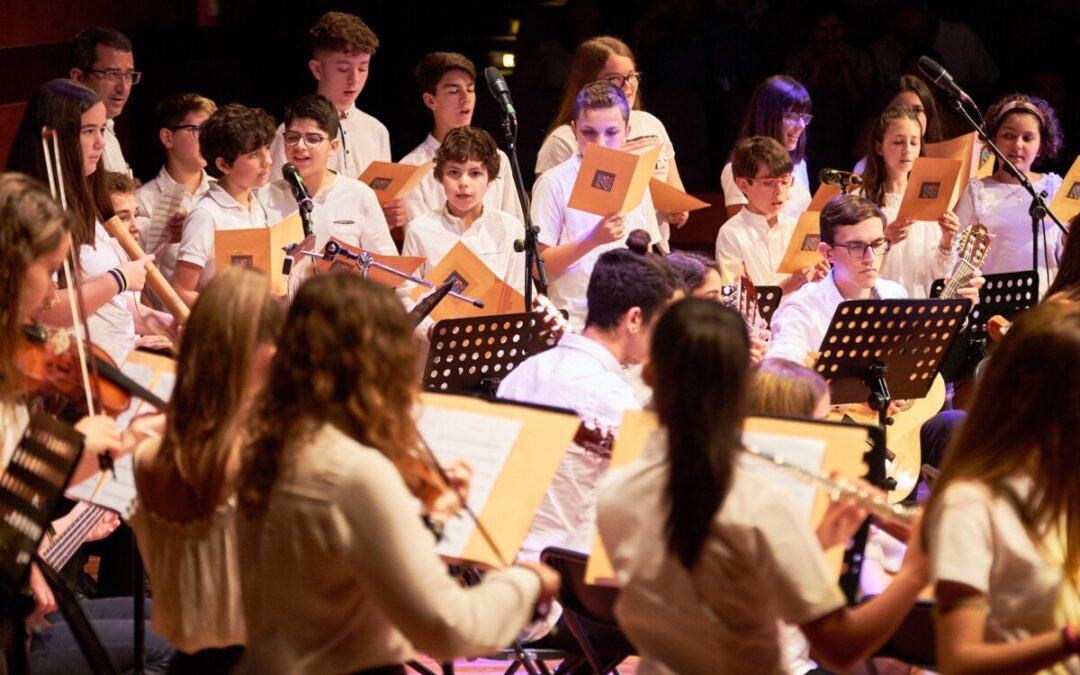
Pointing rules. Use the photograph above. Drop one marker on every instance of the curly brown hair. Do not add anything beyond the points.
(1051, 136)
(346, 357)
(232, 131)
(342, 32)
(31, 225)
(234, 314)
(466, 144)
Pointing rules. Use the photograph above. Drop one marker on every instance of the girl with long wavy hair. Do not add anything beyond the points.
(1003, 522)
(339, 569)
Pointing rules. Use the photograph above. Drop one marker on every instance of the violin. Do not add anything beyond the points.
(49, 362)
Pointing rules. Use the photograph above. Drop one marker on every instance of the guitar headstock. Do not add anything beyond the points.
(550, 316)
(974, 244)
(742, 297)
(596, 438)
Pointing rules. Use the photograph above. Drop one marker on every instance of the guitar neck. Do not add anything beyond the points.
(69, 541)
(961, 274)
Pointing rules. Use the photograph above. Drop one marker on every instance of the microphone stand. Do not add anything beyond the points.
(529, 244)
(1038, 209)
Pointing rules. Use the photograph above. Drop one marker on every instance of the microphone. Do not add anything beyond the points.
(299, 191)
(941, 77)
(844, 179)
(500, 90)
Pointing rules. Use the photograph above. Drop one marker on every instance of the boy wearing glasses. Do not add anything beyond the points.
(235, 141)
(344, 207)
(341, 49)
(179, 119)
(101, 58)
(571, 241)
(759, 233)
(448, 83)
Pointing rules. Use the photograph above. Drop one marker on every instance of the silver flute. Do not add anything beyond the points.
(837, 490)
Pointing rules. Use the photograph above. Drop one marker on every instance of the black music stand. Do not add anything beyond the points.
(768, 298)
(474, 354)
(1002, 295)
(877, 350)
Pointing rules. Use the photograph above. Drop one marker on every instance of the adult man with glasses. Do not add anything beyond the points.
(853, 242)
(102, 59)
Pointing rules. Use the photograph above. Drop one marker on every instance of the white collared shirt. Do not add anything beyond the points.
(216, 210)
(917, 261)
(345, 208)
(491, 237)
(802, 319)
(112, 327)
(147, 196)
(363, 138)
(429, 194)
(113, 156)
(583, 376)
(560, 224)
(749, 237)
(799, 196)
(760, 564)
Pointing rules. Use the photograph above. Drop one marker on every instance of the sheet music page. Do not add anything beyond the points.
(485, 442)
(805, 453)
(168, 203)
(117, 493)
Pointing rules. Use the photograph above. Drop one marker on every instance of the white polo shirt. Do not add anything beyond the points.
(344, 208)
(216, 210)
(918, 260)
(560, 224)
(430, 195)
(749, 237)
(113, 156)
(363, 138)
(802, 319)
(147, 197)
(579, 374)
(112, 327)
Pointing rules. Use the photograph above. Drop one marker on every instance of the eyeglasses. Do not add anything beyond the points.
(795, 118)
(311, 140)
(773, 183)
(195, 129)
(620, 80)
(116, 75)
(857, 249)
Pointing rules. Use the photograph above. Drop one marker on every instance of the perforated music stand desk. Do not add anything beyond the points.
(474, 354)
(1002, 295)
(878, 350)
(768, 300)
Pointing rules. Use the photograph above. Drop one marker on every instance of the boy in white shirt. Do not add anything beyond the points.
(236, 144)
(343, 207)
(448, 83)
(758, 235)
(179, 119)
(572, 240)
(341, 49)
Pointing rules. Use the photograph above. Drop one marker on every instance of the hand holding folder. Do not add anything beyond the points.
(933, 188)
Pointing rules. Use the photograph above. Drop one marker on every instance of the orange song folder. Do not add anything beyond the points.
(392, 181)
(261, 248)
(473, 279)
(612, 181)
(802, 249)
(671, 199)
(975, 160)
(933, 188)
(824, 193)
(1066, 203)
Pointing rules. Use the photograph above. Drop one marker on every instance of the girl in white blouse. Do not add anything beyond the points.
(186, 478)
(919, 250)
(1026, 130)
(1003, 522)
(338, 568)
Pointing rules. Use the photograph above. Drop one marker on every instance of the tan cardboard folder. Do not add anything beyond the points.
(974, 158)
(475, 280)
(261, 248)
(671, 199)
(1066, 203)
(612, 181)
(933, 188)
(824, 193)
(392, 181)
(802, 249)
